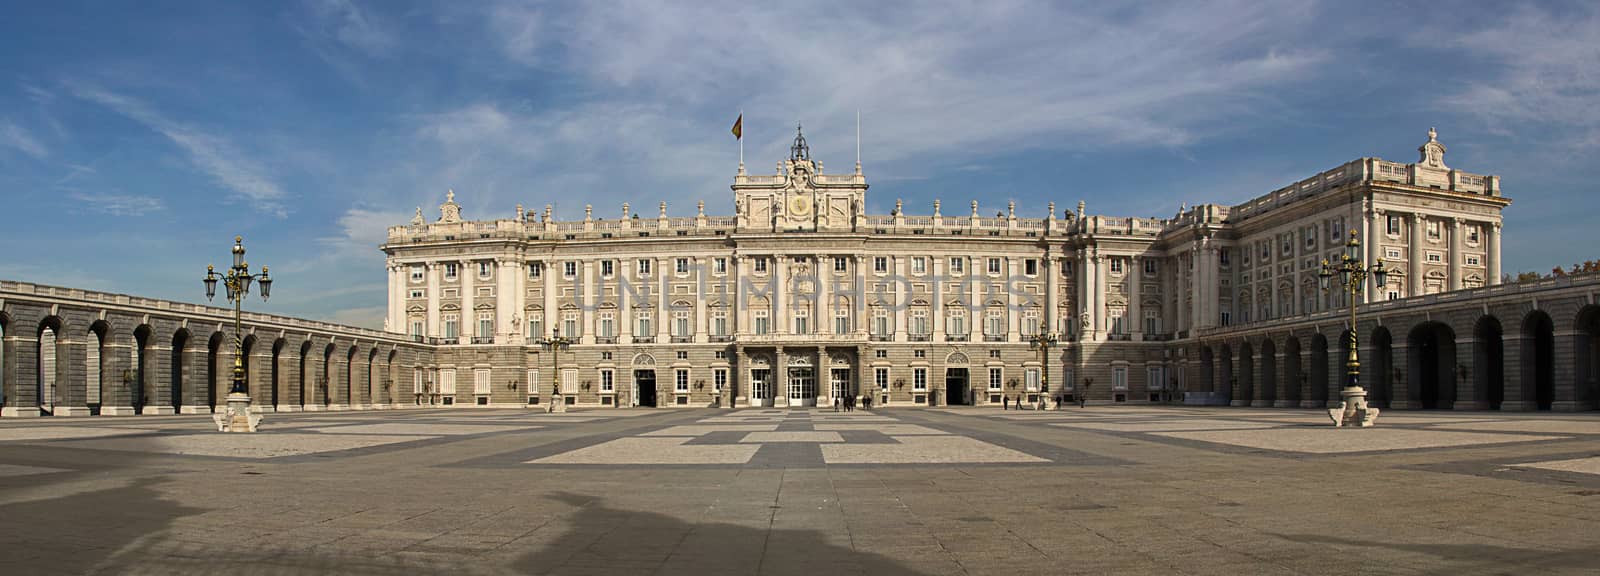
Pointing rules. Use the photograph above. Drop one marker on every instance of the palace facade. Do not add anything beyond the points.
(801, 296)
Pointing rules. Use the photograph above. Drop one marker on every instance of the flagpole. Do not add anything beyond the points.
(741, 140)
(858, 140)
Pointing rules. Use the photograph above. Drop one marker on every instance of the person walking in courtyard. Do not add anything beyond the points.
(1005, 402)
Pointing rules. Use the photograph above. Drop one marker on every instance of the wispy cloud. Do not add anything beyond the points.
(119, 204)
(1545, 70)
(18, 138)
(347, 23)
(212, 154)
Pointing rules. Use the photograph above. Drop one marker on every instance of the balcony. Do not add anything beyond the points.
(605, 340)
(644, 339)
(1157, 337)
(721, 338)
(682, 339)
(920, 338)
(483, 339)
(449, 340)
(956, 337)
(881, 338)
(994, 337)
(418, 338)
(1119, 337)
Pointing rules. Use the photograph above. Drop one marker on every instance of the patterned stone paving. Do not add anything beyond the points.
(1579, 465)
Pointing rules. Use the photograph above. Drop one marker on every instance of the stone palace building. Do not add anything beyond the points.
(801, 296)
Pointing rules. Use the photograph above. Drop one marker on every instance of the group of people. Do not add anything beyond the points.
(848, 403)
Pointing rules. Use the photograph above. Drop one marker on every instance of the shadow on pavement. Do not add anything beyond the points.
(1487, 558)
(606, 540)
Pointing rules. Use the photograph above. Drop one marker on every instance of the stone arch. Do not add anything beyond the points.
(275, 396)
(350, 376)
(247, 349)
(643, 359)
(372, 377)
(179, 380)
(392, 377)
(46, 390)
(1380, 368)
(1488, 363)
(1538, 361)
(1586, 356)
(1245, 389)
(1224, 384)
(215, 378)
(140, 389)
(1431, 366)
(1319, 374)
(325, 380)
(305, 356)
(95, 363)
(1266, 391)
(1294, 376)
(956, 358)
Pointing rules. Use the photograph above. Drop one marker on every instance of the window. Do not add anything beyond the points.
(450, 323)
(802, 321)
(485, 324)
(642, 319)
(683, 355)
(569, 269)
(1472, 234)
(417, 293)
(958, 265)
(680, 324)
(955, 324)
(760, 322)
(1394, 294)
(535, 270)
(721, 354)
(1152, 322)
(533, 381)
(839, 264)
(1066, 268)
(608, 325)
(1435, 257)
(605, 355)
(1030, 321)
(450, 271)
(480, 381)
(1226, 318)
(1311, 237)
(644, 266)
(447, 381)
(535, 324)
(880, 377)
(994, 323)
(719, 266)
(880, 353)
(1030, 378)
(569, 324)
(680, 380)
(608, 381)
(880, 264)
(919, 322)
(1150, 266)
(920, 353)
(919, 265)
(1119, 378)
(1030, 267)
(841, 321)
(1114, 322)
(994, 265)
(1473, 261)
(996, 378)
(994, 354)
(1393, 228)
(919, 379)
(1390, 253)
(761, 265)
(719, 379)
(880, 322)
(719, 322)
(569, 381)
(416, 327)
(1288, 247)
(1222, 256)
(416, 273)
(608, 268)
(1433, 230)
(681, 266)
(1116, 265)
(485, 269)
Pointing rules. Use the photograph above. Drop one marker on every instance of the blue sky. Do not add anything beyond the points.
(136, 139)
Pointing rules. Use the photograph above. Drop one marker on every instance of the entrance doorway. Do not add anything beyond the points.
(644, 387)
(802, 387)
(760, 387)
(839, 383)
(956, 388)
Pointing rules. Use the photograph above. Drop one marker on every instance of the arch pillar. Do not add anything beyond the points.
(1569, 393)
(1465, 374)
(1518, 397)
(289, 377)
(20, 374)
(157, 379)
(338, 376)
(192, 395)
(1407, 380)
(258, 376)
(71, 382)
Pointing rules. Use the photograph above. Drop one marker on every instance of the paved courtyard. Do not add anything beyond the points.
(1151, 490)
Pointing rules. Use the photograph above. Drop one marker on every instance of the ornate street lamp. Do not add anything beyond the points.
(1352, 273)
(1042, 342)
(555, 344)
(237, 282)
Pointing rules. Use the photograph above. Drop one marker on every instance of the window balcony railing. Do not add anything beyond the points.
(920, 338)
(483, 339)
(721, 338)
(956, 337)
(1119, 337)
(882, 338)
(644, 339)
(449, 340)
(605, 340)
(994, 337)
(418, 338)
(682, 339)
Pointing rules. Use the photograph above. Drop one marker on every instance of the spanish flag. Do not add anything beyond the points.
(738, 127)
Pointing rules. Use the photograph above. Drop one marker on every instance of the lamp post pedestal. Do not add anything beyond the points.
(1353, 411)
(237, 417)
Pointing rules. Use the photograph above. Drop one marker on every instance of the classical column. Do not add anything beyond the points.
(1135, 278)
(936, 303)
(859, 320)
(1455, 254)
(1049, 322)
(1492, 241)
(586, 302)
(116, 397)
(701, 322)
(551, 310)
(780, 300)
(902, 297)
(289, 378)
(432, 329)
(393, 321)
(1414, 280)
(1013, 317)
(663, 309)
(1196, 280)
(505, 301)
(19, 374)
(625, 302)
(741, 313)
(778, 383)
(1369, 238)
(467, 327)
(1098, 312)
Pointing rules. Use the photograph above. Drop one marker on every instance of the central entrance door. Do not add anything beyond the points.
(644, 387)
(802, 387)
(839, 383)
(760, 387)
(956, 387)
